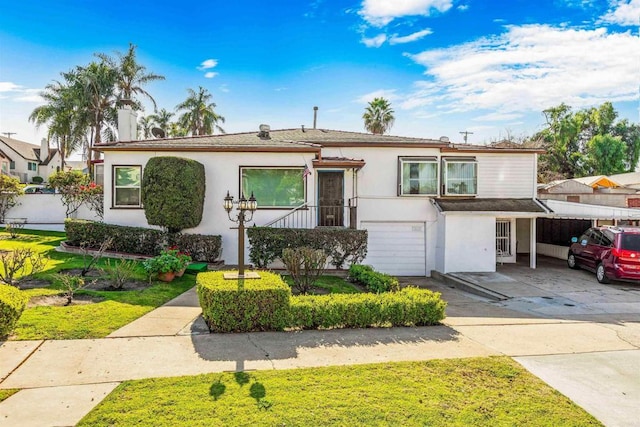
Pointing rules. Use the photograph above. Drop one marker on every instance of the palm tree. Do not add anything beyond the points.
(162, 119)
(200, 117)
(66, 122)
(145, 124)
(131, 76)
(378, 116)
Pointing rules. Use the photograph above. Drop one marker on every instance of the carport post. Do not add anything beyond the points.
(532, 243)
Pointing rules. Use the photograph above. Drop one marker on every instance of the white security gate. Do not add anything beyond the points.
(397, 248)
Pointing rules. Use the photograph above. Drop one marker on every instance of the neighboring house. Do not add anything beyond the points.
(622, 191)
(28, 160)
(427, 204)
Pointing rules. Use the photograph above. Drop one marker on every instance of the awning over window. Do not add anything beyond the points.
(490, 205)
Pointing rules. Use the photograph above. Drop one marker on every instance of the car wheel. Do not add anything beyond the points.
(601, 275)
(571, 261)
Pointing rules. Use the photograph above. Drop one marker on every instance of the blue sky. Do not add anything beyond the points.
(489, 67)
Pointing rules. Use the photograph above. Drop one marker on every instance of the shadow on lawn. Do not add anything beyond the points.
(257, 390)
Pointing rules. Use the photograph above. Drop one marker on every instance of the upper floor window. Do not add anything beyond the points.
(32, 166)
(274, 187)
(12, 165)
(460, 176)
(126, 186)
(418, 176)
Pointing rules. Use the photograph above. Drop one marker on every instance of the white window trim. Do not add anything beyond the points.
(115, 187)
(445, 161)
(402, 161)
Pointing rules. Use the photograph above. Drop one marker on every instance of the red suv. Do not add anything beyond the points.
(613, 253)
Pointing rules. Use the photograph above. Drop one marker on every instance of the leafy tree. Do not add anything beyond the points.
(587, 142)
(10, 189)
(70, 185)
(199, 117)
(378, 116)
(605, 155)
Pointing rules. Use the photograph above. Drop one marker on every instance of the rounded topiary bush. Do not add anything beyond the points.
(173, 191)
(12, 303)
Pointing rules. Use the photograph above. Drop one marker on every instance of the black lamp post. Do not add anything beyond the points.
(246, 208)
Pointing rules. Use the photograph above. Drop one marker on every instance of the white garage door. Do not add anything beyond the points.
(397, 248)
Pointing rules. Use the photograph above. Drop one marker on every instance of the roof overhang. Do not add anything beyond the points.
(572, 210)
(338, 163)
(526, 208)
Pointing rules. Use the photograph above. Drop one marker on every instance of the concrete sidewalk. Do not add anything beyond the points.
(61, 381)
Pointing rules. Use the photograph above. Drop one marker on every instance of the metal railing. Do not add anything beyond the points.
(308, 216)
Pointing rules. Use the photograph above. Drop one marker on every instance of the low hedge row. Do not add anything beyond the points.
(12, 303)
(407, 307)
(261, 305)
(266, 304)
(142, 241)
(373, 280)
(341, 244)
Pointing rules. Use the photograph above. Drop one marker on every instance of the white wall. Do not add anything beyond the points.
(222, 172)
(506, 175)
(523, 235)
(560, 252)
(45, 209)
(468, 243)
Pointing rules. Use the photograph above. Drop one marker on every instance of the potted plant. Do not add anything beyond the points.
(164, 266)
(184, 259)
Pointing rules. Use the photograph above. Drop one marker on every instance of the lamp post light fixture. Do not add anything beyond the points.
(246, 208)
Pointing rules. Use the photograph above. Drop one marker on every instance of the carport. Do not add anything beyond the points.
(569, 219)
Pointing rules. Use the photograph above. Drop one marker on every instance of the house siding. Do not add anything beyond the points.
(509, 175)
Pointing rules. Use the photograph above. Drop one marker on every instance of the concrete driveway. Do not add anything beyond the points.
(579, 336)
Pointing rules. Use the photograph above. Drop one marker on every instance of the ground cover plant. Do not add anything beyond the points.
(96, 311)
(453, 392)
(5, 393)
(328, 284)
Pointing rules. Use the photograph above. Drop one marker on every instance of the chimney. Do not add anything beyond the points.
(315, 116)
(44, 150)
(127, 124)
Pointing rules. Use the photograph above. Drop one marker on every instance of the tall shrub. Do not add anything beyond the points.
(9, 191)
(12, 303)
(173, 191)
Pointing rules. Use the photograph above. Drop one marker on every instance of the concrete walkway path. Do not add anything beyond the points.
(61, 381)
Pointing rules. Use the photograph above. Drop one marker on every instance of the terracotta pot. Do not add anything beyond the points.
(180, 272)
(167, 277)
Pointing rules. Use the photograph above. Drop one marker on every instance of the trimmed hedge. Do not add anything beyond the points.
(12, 303)
(142, 241)
(341, 244)
(408, 307)
(173, 190)
(373, 280)
(261, 305)
(266, 304)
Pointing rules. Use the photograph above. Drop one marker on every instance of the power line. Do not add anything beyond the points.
(466, 133)
(9, 134)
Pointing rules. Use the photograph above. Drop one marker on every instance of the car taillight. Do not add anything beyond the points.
(622, 253)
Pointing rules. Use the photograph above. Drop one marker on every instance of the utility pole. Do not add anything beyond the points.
(466, 133)
(9, 134)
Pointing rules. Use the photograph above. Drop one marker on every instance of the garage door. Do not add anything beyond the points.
(397, 248)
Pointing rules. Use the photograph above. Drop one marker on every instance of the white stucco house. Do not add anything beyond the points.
(427, 204)
(24, 160)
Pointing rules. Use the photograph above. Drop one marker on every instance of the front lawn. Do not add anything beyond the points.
(454, 392)
(328, 284)
(111, 309)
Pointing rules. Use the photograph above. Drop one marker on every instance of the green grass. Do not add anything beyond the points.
(5, 393)
(333, 284)
(453, 392)
(115, 309)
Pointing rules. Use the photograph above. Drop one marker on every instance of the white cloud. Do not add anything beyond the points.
(395, 39)
(206, 64)
(529, 68)
(624, 12)
(376, 41)
(497, 117)
(223, 88)
(210, 74)
(381, 12)
(9, 87)
(463, 7)
(389, 94)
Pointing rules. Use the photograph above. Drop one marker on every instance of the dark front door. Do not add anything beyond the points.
(330, 201)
